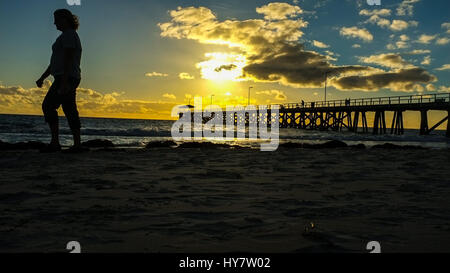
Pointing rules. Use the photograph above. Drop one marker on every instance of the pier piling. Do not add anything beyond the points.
(448, 124)
(423, 122)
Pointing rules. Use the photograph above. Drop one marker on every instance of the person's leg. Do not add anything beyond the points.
(54, 128)
(49, 108)
(70, 110)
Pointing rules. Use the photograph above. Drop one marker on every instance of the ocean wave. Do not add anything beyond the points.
(411, 137)
(133, 132)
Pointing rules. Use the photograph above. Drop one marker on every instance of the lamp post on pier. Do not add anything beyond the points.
(249, 95)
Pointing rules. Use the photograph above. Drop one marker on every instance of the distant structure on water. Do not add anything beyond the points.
(351, 114)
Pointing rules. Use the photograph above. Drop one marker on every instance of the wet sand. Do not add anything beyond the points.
(225, 200)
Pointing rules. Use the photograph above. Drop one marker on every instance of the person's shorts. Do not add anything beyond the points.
(53, 101)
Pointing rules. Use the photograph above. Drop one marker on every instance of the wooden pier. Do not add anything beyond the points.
(350, 114)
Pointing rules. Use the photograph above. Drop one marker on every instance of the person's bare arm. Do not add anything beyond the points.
(68, 62)
(44, 76)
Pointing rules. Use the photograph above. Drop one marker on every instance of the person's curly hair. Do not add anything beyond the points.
(71, 18)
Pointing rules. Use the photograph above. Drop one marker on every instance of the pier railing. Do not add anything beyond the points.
(397, 100)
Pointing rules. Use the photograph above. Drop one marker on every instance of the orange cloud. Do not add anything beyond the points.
(16, 99)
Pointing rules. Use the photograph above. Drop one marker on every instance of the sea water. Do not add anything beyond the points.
(137, 133)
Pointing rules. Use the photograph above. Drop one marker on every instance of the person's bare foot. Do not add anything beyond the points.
(76, 149)
(51, 148)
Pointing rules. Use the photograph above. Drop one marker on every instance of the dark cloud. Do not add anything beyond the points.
(294, 65)
(226, 67)
(401, 80)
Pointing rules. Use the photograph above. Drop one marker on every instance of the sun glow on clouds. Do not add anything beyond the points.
(91, 103)
(270, 50)
(222, 66)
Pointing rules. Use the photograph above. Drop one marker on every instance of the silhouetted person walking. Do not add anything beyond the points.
(65, 68)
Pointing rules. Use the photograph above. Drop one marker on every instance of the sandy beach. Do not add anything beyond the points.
(225, 200)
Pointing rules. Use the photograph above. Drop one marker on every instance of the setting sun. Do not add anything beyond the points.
(222, 67)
